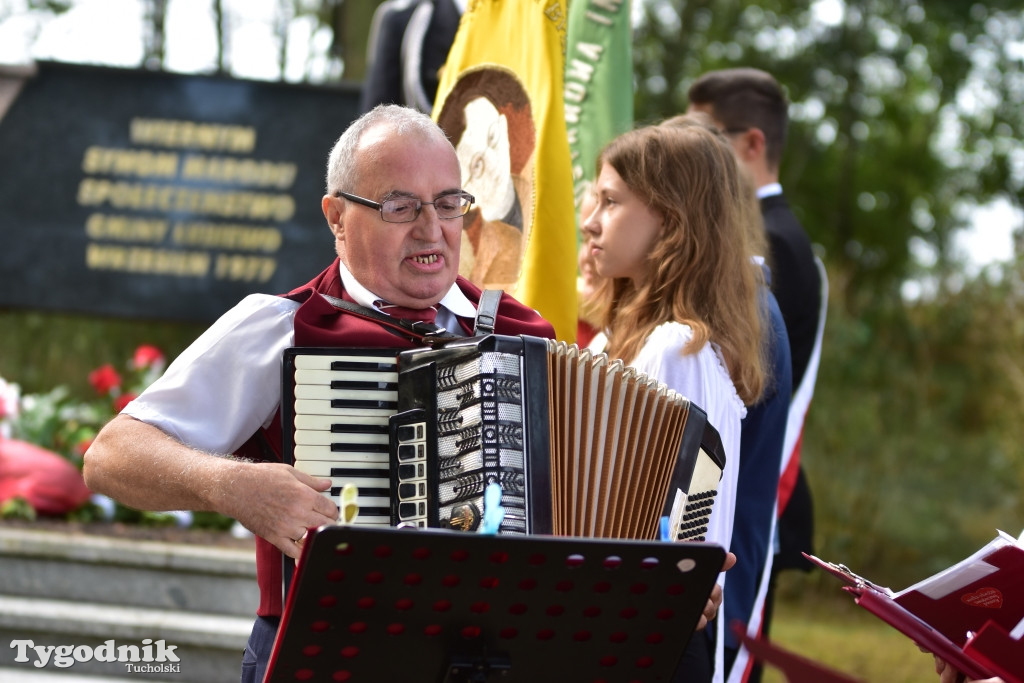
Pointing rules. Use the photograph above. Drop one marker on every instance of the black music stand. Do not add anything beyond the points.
(383, 604)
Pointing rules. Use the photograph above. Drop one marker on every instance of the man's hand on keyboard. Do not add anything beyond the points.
(278, 503)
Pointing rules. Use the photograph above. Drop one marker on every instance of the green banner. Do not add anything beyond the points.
(598, 82)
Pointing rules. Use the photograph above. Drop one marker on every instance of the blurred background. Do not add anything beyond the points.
(905, 163)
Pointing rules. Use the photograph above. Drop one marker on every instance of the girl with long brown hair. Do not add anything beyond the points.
(679, 299)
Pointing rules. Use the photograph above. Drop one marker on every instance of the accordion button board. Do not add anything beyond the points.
(411, 475)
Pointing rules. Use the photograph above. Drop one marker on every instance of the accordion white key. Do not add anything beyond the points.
(579, 445)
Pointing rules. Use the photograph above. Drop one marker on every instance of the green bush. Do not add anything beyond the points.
(913, 440)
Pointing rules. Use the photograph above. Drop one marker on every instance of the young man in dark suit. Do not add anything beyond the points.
(749, 106)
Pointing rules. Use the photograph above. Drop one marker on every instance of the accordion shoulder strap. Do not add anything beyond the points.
(417, 331)
(486, 312)
(486, 316)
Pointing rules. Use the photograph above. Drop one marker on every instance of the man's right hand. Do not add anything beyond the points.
(279, 503)
(139, 465)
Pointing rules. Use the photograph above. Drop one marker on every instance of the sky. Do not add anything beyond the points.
(991, 238)
(110, 32)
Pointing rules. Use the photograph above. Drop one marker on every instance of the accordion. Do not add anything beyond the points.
(579, 445)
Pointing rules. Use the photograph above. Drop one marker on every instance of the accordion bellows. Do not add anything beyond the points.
(580, 445)
(616, 435)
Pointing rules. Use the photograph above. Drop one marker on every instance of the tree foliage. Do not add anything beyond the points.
(902, 112)
(332, 33)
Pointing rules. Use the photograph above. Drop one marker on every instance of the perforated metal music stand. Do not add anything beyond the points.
(371, 605)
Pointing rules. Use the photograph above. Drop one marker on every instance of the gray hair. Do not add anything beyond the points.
(343, 167)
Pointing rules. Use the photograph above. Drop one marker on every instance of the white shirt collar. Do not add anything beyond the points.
(769, 190)
(455, 301)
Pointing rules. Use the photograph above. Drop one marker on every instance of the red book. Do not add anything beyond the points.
(971, 614)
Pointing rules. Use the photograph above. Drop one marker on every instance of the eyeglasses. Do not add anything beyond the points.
(406, 209)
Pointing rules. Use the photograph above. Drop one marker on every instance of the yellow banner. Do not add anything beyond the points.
(500, 99)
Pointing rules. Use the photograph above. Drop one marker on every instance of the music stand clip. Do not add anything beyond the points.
(489, 668)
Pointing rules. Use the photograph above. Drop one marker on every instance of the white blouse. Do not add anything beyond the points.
(703, 378)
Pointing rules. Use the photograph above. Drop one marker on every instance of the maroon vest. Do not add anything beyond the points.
(318, 323)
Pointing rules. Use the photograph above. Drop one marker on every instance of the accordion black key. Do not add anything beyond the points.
(579, 445)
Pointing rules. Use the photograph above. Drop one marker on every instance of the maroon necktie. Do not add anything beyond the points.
(416, 315)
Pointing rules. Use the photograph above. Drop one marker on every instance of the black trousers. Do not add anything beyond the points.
(697, 663)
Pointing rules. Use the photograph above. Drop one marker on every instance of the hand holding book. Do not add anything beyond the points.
(970, 615)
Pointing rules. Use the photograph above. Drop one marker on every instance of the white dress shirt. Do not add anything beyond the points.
(227, 383)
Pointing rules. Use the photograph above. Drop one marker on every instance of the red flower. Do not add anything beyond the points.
(147, 355)
(121, 401)
(82, 446)
(104, 379)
